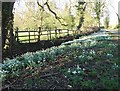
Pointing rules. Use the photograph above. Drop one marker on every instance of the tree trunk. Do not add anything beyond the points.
(82, 10)
(7, 20)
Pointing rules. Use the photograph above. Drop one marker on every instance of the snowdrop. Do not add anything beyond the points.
(109, 55)
(78, 68)
(65, 76)
(38, 61)
(70, 86)
(115, 66)
(44, 59)
(81, 56)
(74, 72)
(83, 69)
(92, 52)
(90, 57)
(79, 71)
(69, 70)
(93, 43)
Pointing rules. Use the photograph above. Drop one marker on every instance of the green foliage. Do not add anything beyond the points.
(79, 51)
(106, 22)
(99, 6)
(34, 16)
(109, 83)
(88, 84)
(117, 27)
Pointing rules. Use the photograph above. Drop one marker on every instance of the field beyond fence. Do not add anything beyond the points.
(29, 36)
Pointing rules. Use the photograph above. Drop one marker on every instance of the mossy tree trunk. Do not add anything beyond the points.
(81, 10)
(7, 21)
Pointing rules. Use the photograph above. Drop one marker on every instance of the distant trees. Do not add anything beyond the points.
(81, 9)
(106, 22)
(69, 19)
(89, 15)
(45, 14)
(106, 18)
(118, 16)
(99, 6)
(31, 17)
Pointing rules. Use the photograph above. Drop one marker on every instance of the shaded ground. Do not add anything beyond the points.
(72, 71)
(21, 48)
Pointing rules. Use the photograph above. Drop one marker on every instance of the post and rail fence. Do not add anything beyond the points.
(35, 35)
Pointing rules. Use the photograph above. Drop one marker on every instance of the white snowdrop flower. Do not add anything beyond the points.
(116, 65)
(22, 63)
(83, 69)
(29, 61)
(69, 70)
(93, 42)
(70, 86)
(85, 62)
(74, 72)
(1, 71)
(5, 71)
(78, 67)
(81, 56)
(79, 72)
(38, 61)
(92, 52)
(65, 76)
(110, 55)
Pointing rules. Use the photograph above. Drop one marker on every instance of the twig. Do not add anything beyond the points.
(58, 18)
(47, 75)
(42, 7)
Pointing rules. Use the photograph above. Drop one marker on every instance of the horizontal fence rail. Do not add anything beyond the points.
(30, 36)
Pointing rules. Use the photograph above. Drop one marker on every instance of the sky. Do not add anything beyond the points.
(113, 17)
(61, 4)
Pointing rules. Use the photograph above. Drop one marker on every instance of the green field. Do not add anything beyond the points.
(43, 35)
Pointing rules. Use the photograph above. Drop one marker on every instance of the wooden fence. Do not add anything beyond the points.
(30, 36)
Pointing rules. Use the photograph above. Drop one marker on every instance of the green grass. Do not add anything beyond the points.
(42, 37)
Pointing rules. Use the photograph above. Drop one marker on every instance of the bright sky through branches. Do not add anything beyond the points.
(61, 4)
(112, 10)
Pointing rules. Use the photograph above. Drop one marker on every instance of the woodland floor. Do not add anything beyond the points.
(99, 73)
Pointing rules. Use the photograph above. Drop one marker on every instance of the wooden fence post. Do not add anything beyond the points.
(34, 35)
(55, 33)
(50, 34)
(39, 34)
(68, 31)
(73, 32)
(59, 32)
(16, 34)
(47, 34)
(29, 35)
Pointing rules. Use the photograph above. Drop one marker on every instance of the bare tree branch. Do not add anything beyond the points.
(115, 13)
(85, 7)
(52, 11)
(48, 6)
(58, 18)
(42, 7)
